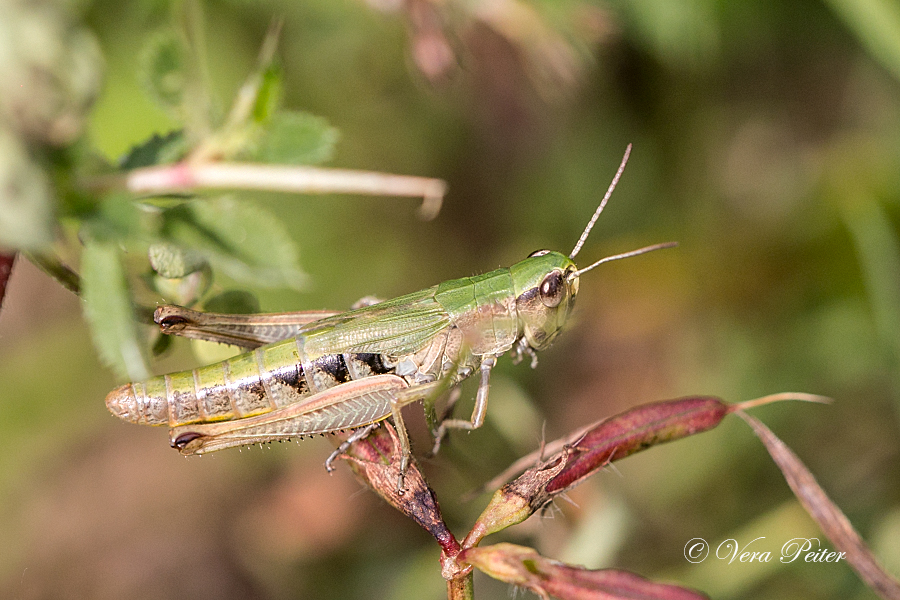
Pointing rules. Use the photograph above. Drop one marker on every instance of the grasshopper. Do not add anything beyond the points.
(326, 372)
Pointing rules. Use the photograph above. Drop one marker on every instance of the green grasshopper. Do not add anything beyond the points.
(325, 372)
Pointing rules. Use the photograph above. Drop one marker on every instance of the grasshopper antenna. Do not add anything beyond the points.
(643, 250)
(609, 191)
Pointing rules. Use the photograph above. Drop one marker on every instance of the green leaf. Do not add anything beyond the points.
(295, 138)
(159, 149)
(163, 70)
(182, 276)
(876, 24)
(162, 344)
(173, 262)
(117, 218)
(184, 291)
(108, 309)
(243, 240)
(233, 302)
(26, 204)
(268, 95)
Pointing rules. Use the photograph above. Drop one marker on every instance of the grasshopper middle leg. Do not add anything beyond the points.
(477, 419)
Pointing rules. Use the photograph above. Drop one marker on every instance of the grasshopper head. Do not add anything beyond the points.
(545, 284)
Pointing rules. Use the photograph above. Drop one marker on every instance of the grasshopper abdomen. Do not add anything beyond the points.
(254, 383)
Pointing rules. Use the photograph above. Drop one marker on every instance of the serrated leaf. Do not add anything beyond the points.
(172, 262)
(184, 291)
(157, 150)
(295, 138)
(108, 309)
(244, 241)
(162, 70)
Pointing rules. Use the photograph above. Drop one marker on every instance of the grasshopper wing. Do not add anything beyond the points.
(246, 331)
(394, 327)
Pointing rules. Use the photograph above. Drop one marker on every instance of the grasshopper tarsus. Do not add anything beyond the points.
(355, 436)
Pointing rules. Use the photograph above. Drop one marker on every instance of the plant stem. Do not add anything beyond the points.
(51, 265)
(461, 588)
(181, 177)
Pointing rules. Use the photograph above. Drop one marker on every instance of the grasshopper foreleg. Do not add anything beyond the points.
(481, 398)
(522, 348)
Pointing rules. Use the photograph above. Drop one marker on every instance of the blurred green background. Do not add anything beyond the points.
(766, 142)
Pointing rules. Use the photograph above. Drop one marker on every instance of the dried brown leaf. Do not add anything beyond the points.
(830, 518)
(376, 460)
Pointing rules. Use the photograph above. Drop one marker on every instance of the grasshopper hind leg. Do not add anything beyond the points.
(397, 401)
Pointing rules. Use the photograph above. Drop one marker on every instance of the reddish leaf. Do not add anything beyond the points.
(829, 517)
(526, 568)
(376, 462)
(6, 265)
(636, 430)
(517, 500)
(609, 440)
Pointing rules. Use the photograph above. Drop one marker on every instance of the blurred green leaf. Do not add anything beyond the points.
(296, 138)
(159, 149)
(162, 344)
(108, 309)
(184, 291)
(878, 248)
(162, 70)
(877, 25)
(269, 94)
(682, 34)
(173, 262)
(26, 203)
(50, 72)
(117, 218)
(244, 241)
(235, 302)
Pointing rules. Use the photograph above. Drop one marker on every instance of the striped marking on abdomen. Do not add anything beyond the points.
(254, 383)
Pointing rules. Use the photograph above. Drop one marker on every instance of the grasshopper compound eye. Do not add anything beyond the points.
(552, 289)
